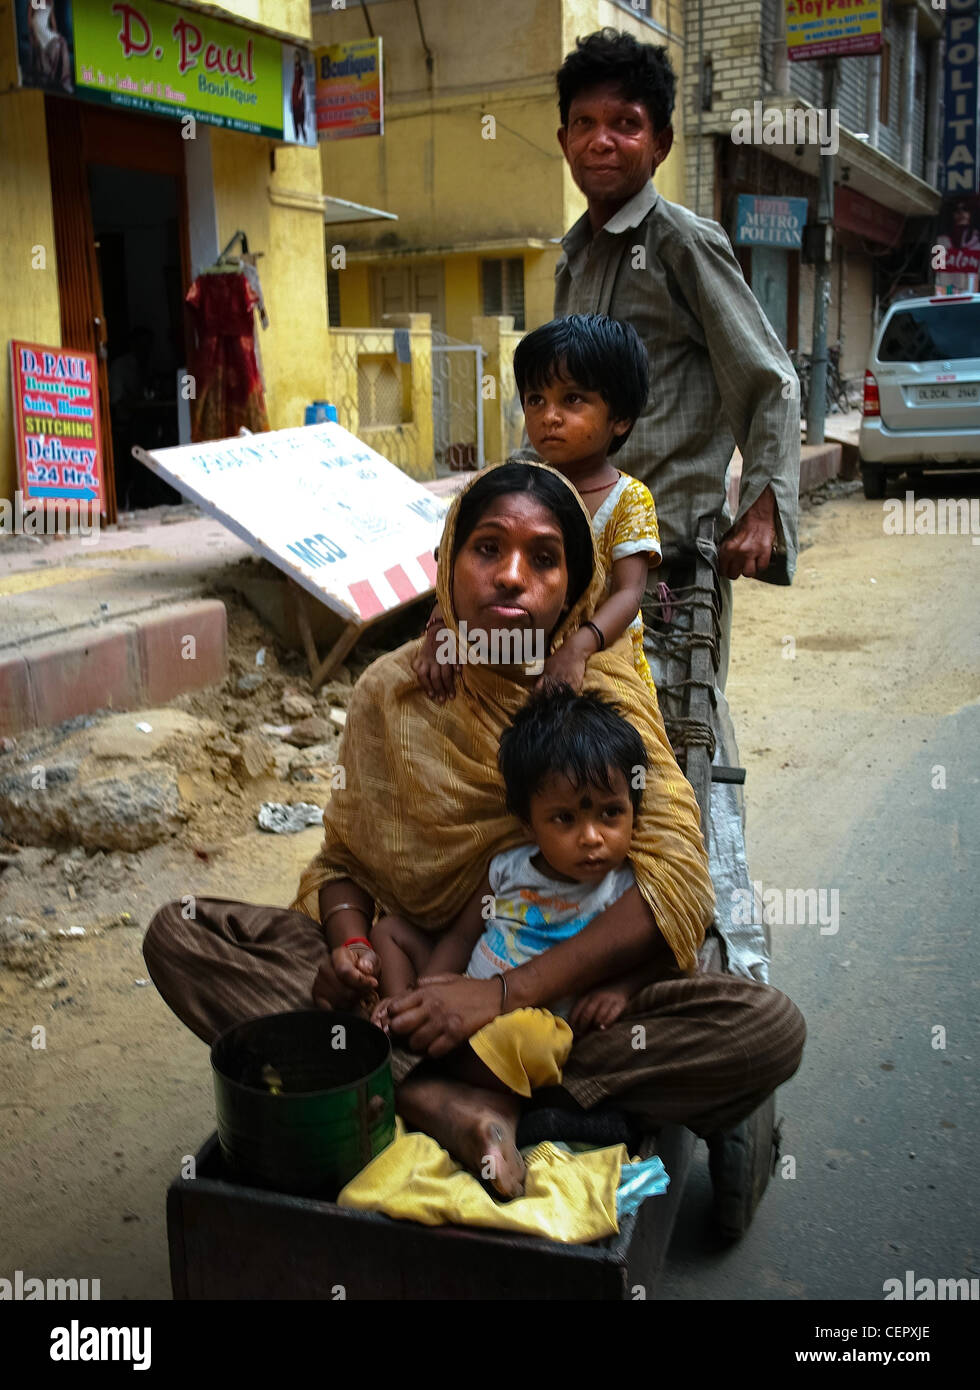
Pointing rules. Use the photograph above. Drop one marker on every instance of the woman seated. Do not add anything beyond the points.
(410, 836)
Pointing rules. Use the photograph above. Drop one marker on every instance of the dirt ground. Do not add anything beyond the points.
(97, 1121)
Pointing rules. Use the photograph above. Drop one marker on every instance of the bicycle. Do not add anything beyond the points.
(837, 396)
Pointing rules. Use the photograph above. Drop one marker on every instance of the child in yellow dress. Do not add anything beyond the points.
(583, 381)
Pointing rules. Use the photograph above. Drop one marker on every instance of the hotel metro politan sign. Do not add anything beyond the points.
(832, 28)
(56, 424)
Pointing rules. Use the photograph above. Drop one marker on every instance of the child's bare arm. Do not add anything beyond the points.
(612, 618)
(629, 581)
(437, 678)
(601, 1005)
(452, 953)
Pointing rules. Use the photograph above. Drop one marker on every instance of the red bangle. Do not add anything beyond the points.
(358, 941)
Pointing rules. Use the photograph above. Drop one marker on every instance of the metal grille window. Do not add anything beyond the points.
(503, 288)
(379, 392)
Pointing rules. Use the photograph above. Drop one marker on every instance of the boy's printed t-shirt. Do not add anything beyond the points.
(626, 524)
(533, 912)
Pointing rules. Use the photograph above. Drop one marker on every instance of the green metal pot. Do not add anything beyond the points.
(304, 1100)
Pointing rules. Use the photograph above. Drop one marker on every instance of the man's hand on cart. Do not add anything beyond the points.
(747, 549)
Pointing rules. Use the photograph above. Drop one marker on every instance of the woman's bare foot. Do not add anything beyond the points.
(478, 1127)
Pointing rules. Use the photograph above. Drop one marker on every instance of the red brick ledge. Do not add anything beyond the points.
(128, 664)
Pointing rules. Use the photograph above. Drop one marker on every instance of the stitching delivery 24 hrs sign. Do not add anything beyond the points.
(56, 424)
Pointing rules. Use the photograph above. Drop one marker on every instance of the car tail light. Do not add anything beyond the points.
(871, 404)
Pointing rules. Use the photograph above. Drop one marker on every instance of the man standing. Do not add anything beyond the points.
(718, 373)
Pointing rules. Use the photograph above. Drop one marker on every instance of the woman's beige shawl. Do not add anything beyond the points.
(422, 810)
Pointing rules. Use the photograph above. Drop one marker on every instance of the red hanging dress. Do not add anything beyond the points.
(227, 378)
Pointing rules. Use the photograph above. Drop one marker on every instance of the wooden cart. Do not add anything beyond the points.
(228, 1240)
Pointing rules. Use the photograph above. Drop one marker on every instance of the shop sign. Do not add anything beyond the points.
(767, 221)
(832, 28)
(156, 58)
(960, 143)
(959, 237)
(853, 212)
(56, 424)
(351, 528)
(349, 96)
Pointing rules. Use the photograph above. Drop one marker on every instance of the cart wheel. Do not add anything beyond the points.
(740, 1162)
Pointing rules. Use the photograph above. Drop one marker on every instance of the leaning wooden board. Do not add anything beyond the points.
(346, 526)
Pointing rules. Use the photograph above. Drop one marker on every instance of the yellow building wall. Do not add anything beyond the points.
(355, 293)
(464, 294)
(282, 218)
(289, 16)
(434, 166)
(30, 307)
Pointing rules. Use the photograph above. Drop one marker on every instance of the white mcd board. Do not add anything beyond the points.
(355, 531)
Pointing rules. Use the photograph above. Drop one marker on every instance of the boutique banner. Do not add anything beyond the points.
(349, 91)
(165, 61)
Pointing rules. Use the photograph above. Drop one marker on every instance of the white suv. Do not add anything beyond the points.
(922, 390)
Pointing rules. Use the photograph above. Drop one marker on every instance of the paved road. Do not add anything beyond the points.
(882, 1118)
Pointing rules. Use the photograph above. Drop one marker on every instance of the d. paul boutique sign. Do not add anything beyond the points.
(159, 59)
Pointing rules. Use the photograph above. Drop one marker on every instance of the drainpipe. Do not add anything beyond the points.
(908, 85)
(780, 57)
(873, 124)
(933, 111)
(697, 88)
(817, 405)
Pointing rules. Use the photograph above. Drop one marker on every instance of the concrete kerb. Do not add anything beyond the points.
(143, 660)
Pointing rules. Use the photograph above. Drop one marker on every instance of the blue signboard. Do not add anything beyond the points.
(764, 221)
(960, 164)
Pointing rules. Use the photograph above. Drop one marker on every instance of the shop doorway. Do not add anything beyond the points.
(137, 246)
(121, 234)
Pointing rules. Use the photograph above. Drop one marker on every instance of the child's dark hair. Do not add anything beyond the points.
(582, 737)
(599, 353)
(642, 71)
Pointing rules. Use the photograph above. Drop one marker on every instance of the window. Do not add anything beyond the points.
(333, 298)
(931, 333)
(503, 288)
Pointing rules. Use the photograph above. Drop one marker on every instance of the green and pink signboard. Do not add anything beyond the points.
(165, 60)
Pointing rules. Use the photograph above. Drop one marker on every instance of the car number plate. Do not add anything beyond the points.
(954, 395)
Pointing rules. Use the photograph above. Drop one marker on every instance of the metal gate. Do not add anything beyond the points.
(457, 404)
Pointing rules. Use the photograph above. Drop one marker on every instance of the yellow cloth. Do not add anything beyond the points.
(568, 1197)
(626, 524)
(525, 1049)
(422, 811)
